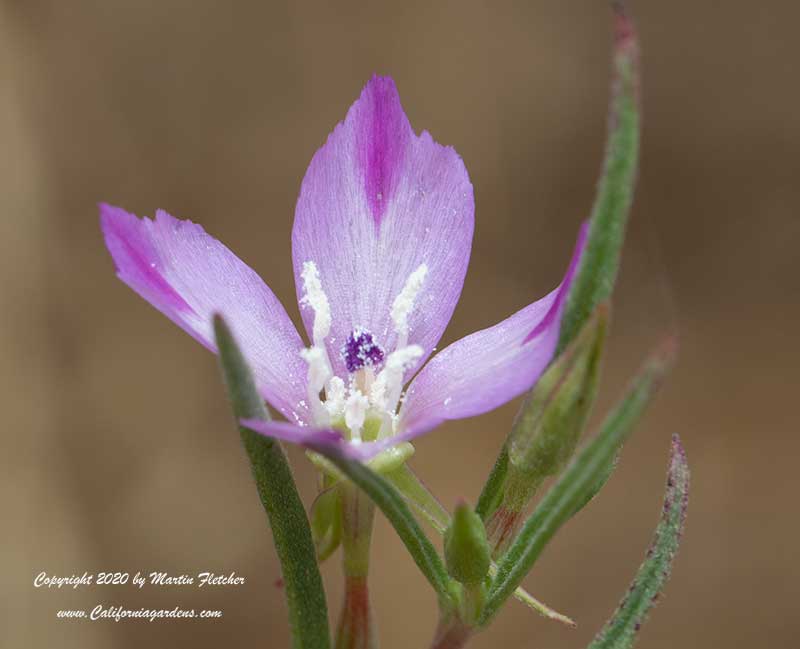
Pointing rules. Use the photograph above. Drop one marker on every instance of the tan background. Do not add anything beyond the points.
(118, 449)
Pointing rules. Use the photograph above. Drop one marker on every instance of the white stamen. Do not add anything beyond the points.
(404, 303)
(401, 359)
(335, 397)
(315, 298)
(355, 411)
(319, 371)
(391, 377)
(377, 393)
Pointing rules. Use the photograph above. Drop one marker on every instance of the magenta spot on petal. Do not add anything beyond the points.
(361, 350)
(383, 136)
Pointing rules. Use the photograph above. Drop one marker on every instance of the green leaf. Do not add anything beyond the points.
(578, 480)
(492, 491)
(620, 631)
(598, 485)
(308, 611)
(391, 503)
(597, 272)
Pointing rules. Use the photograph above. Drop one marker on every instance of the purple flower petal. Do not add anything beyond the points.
(322, 440)
(488, 368)
(188, 276)
(376, 203)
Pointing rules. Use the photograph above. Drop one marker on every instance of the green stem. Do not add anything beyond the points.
(356, 625)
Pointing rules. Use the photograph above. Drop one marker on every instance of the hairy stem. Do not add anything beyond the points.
(356, 628)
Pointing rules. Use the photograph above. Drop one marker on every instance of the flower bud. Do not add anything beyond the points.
(551, 420)
(548, 426)
(466, 549)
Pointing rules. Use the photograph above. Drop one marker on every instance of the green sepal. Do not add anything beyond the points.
(579, 479)
(383, 463)
(466, 550)
(391, 503)
(305, 596)
(621, 630)
(597, 273)
(326, 522)
(550, 421)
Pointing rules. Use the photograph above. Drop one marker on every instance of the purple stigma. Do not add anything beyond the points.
(361, 350)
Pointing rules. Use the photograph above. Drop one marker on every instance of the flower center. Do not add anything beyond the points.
(361, 350)
(365, 402)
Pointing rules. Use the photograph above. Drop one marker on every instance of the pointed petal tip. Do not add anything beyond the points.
(375, 181)
(189, 276)
(108, 214)
(381, 83)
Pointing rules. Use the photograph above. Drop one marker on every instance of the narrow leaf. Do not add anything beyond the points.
(579, 479)
(308, 611)
(595, 489)
(391, 503)
(597, 273)
(492, 491)
(620, 631)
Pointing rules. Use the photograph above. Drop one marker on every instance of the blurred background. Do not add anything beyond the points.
(118, 447)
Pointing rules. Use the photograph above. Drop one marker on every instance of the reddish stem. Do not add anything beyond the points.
(356, 629)
(501, 529)
(452, 635)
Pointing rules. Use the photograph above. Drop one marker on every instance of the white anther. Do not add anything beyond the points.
(391, 377)
(377, 393)
(355, 411)
(404, 303)
(335, 397)
(315, 297)
(319, 371)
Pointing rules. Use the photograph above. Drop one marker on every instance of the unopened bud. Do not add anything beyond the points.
(466, 549)
(551, 420)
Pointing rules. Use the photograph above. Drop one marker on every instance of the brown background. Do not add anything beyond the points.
(119, 452)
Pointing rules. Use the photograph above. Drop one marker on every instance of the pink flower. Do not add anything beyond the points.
(381, 242)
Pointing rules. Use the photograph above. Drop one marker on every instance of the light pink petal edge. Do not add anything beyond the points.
(490, 367)
(189, 276)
